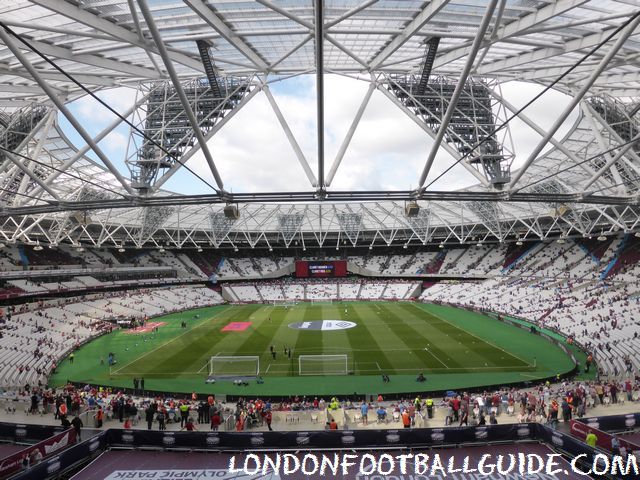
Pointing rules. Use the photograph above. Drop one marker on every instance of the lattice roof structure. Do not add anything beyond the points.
(196, 63)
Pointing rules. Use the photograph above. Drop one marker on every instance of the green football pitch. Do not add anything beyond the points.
(454, 349)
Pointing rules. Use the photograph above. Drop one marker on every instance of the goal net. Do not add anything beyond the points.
(321, 300)
(234, 365)
(284, 303)
(323, 365)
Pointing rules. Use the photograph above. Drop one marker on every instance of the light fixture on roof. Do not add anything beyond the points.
(79, 248)
(479, 244)
(199, 249)
(235, 249)
(637, 234)
(121, 249)
(602, 237)
(2, 245)
(405, 246)
(271, 249)
(370, 247)
(441, 245)
(37, 247)
(561, 240)
(519, 242)
(161, 249)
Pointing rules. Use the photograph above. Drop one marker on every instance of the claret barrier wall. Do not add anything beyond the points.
(322, 441)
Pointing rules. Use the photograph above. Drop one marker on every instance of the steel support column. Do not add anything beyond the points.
(350, 133)
(63, 109)
(540, 131)
(97, 139)
(292, 139)
(219, 124)
(319, 38)
(442, 130)
(602, 65)
(162, 50)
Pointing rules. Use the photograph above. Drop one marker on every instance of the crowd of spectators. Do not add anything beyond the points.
(546, 403)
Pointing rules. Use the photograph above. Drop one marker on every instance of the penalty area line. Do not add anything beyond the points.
(203, 367)
(434, 356)
(159, 347)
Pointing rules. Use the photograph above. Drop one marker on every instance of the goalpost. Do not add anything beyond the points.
(323, 365)
(234, 365)
(284, 303)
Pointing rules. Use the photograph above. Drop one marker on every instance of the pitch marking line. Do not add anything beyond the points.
(204, 323)
(434, 356)
(279, 367)
(378, 365)
(205, 366)
(284, 369)
(481, 339)
(159, 374)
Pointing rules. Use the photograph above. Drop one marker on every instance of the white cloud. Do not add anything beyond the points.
(94, 116)
(115, 142)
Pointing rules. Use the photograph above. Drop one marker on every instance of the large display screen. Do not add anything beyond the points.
(321, 269)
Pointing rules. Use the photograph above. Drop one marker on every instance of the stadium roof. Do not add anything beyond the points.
(196, 63)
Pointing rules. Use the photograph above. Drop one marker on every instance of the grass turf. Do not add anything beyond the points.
(454, 348)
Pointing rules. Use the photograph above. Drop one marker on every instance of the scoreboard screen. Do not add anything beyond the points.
(321, 269)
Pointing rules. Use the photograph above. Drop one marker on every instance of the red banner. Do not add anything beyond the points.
(37, 452)
(580, 431)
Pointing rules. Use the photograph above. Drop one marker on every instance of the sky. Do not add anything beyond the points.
(252, 154)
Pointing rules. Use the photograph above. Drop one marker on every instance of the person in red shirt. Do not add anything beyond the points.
(267, 418)
(189, 425)
(216, 420)
(99, 417)
(455, 404)
(406, 419)
(240, 424)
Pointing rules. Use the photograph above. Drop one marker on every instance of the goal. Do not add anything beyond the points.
(234, 365)
(323, 364)
(321, 300)
(285, 303)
